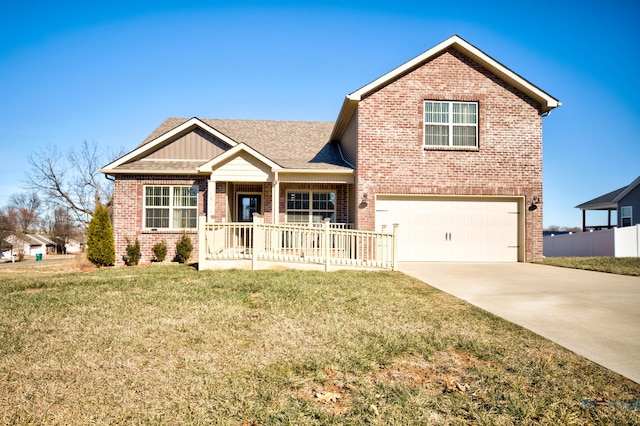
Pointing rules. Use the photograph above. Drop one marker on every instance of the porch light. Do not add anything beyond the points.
(365, 198)
(535, 200)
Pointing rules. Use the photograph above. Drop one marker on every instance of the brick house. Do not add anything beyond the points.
(447, 145)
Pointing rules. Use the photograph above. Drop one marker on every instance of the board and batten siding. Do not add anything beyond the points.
(349, 141)
(632, 199)
(194, 145)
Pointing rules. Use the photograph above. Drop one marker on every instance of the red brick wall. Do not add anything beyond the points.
(221, 207)
(508, 162)
(128, 215)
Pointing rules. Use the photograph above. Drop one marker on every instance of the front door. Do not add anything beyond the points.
(247, 205)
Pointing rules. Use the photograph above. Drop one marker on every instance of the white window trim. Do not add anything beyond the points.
(450, 124)
(171, 207)
(310, 210)
(623, 216)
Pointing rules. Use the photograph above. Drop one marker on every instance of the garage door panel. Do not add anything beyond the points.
(452, 230)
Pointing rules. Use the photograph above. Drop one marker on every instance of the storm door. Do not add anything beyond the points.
(247, 205)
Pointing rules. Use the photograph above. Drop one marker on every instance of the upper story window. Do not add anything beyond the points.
(310, 206)
(170, 207)
(450, 124)
(625, 216)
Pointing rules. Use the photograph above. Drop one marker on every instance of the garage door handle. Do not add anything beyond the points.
(447, 236)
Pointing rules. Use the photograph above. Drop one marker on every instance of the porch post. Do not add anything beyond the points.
(275, 199)
(394, 265)
(584, 223)
(327, 250)
(211, 199)
(202, 241)
(257, 239)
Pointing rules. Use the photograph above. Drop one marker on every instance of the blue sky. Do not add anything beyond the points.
(110, 72)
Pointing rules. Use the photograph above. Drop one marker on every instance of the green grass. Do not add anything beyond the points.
(614, 265)
(170, 345)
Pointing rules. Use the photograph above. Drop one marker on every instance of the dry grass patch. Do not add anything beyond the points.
(171, 345)
(612, 265)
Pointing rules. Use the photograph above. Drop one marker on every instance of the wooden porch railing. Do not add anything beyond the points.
(327, 244)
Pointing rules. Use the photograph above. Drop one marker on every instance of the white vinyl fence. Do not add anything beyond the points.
(627, 241)
(615, 242)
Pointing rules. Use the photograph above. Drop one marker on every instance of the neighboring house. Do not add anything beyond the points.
(625, 200)
(73, 247)
(29, 244)
(447, 145)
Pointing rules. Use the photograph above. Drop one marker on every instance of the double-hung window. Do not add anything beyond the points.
(625, 216)
(450, 124)
(170, 207)
(310, 206)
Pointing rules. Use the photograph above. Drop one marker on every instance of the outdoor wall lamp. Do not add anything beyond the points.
(535, 200)
(365, 199)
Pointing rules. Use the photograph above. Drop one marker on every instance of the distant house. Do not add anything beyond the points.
(625, 200)
(73, 247)
(448, 145)
(28, 244)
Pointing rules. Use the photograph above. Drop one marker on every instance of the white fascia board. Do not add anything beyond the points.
(209, 165)
(192, 122)
(599, 206)
(180, 172)
(344, 116)
(476, 54)
(317, 171)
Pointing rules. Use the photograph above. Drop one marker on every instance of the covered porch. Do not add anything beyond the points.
(605, 203)
(260, 215)
(242, 182)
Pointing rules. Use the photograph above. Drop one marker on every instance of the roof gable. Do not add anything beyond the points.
(151, 144)
(547, 102)
(627, 190)
(609, 201)
(238, 151)
(291, 145)
(195, 144)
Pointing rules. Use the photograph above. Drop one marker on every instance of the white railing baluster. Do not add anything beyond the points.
(328, 244)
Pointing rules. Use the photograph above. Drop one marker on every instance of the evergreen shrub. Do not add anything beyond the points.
(101, 249)
(160, 251)
(183, 248)
(133, 253)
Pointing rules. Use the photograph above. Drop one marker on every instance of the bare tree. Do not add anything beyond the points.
(7, 226)
(63, 227)
(72, 180)
(26, 207)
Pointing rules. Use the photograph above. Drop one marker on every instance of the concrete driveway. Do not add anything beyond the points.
(593, 314)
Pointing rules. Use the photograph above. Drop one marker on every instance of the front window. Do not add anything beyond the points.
(450, 124)
(310, 206)
(171, 207)
(625, 216)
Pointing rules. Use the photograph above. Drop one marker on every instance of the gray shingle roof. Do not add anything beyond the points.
(291, 144)
(603, 202)
(611, 199)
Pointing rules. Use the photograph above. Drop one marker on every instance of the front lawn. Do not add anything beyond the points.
(614, 265)
(170, 345)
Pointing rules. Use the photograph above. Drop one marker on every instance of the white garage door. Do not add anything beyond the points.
(452, 230)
